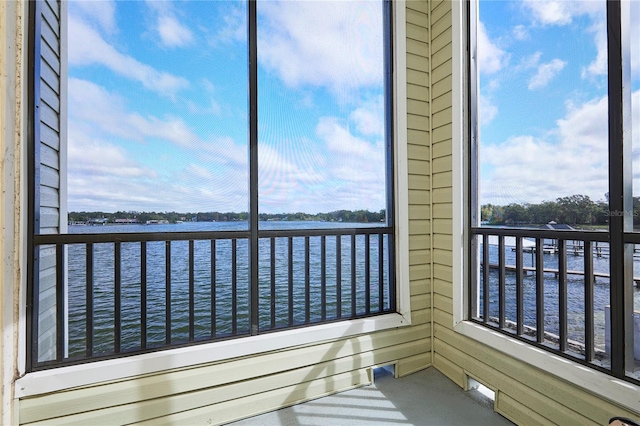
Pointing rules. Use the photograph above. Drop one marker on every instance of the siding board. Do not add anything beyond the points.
(417, 32)
(441, 71)
(54, 6)
(442, 102)
(441, 25)
(418, 48)
(50, 76)
(438, 13)
(415, 91)
(49, 137)
(418, 5)
(50, 36)
(514, 388)
(417, 18)
(322, 358)
(49, 116)
(418, 107)
(443, 40)
(417, 62)
(417, 77)
(485, 363)
(415, 363)
(442, 134)
(50, 57)
(417, 122)
(417, 152)
(49, 177)
(418, 166)
(442, 257)
(51, 17)
(49, 96)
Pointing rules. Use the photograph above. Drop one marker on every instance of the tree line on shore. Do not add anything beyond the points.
(572, 210)
(357, 216)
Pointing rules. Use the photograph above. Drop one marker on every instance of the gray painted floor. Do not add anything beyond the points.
(423, 398)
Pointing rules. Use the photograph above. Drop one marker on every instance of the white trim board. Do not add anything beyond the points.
(58, 379)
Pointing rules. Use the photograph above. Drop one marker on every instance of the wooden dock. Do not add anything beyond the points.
(527, 269)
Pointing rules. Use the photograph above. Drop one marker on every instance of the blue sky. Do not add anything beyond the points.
(158, 106)
(543, 109)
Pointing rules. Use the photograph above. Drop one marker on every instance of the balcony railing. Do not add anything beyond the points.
(550, 288)
(112, 294)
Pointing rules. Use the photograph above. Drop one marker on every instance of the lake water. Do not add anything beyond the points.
(575, 291)
(224, 292)
(223, 325)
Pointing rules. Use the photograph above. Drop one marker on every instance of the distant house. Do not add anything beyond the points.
(121, 221)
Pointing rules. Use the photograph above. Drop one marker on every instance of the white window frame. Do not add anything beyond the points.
(57, 379)
(592, 381)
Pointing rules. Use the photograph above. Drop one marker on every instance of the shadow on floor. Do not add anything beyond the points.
(423, 398)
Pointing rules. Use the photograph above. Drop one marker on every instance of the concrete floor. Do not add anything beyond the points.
(423, 398)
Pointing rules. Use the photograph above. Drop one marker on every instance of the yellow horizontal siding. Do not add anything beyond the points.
(420, 273)
(415, 363)
(442, 180)
(442, 102)
(442, 287)
(442, 70)
(441, 88)
(416, 17)
(442, 257)
(443, 134)
(420, 78)
(442, 41)
(441, 25)
(418, 5)
(439, 9)
(418, 48)
(415, 91)
(418, 107)
(558, 401)
(421, 301)
(417, 62)
(417, 32)
(322, 360)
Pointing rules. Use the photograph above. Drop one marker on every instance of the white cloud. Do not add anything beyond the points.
(486, 110)
(337, 45)
(546, 73)
(101, 13)
(105, 174)
(571, 159)
(491, 58)
(599, 65)
(172, 33)
(88, 48)
(551, 12)
(563, 13)
(530, 61)
(91, 104)
(234, 25)
(520, 32)
(98, 157)
(337, 170)
(369, 117)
